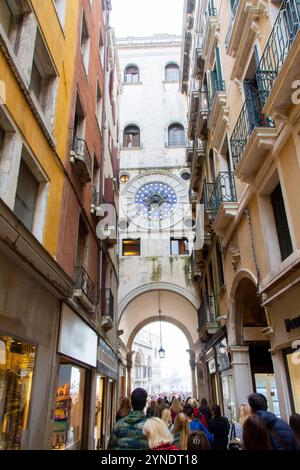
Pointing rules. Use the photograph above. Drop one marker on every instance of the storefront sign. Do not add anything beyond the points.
(107, 363)
(104, 369)
(292, 324)
(77, 340)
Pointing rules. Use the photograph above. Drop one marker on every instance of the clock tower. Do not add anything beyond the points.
(155, 219)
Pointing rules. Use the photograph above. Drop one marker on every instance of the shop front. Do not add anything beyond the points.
(77, 348)
(106, 394)
(219, 373)
(284, 335)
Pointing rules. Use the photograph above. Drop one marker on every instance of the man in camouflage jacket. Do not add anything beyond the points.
(128, 432)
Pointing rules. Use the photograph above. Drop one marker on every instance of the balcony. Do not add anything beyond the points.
(81, 159)
(199, 62)
(207, 317)
(218, 113)
(193, 110)
(108, 307)
(202, 115)
(97, 204)
(190, 151)
(242, 30)
(253, 136)
(223, 202)
(84, 289)
(197, 159)
(211, 36)
(280, 63)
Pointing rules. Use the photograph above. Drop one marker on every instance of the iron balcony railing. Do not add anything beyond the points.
(231, 24)
(83, 281)
(223, 191)
(206, 194)
(278, 46)
(250, 117)
(207, 312)
(216, 85)
(80, 148)
(108, 303)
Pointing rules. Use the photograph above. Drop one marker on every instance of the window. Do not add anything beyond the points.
(176, 135)
(26, 196)
(131, 247)
(85, 44)
(5, 16)
(82, 244)
(99, 105)
(172, 73)
(69, 409)
(179, 247)
(79, 122)
(61, 10)
(11, 19)
(17, 360)
(131, 136)
(282, 228)
(43, 80)
(131, 74)
(221, 278)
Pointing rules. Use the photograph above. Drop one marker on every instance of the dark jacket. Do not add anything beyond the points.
(287, 437)
(219, 427)
(128, 433)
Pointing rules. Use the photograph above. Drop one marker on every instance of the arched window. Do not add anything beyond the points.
(176, 135)
(132, 74)
(131, 136)
(172, 73)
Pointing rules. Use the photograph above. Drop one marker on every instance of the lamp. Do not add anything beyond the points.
(161, 351)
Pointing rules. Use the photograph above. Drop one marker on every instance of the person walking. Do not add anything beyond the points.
(196, 423)
(158, 435)
(182, 429)
(166, 418)
(219, 426)
(196, 441)
(255, 434)
(151, 409)
(160, 405)
(205, 410)
(236, 430)
(295, 425)
(281, 434)
(197, 413)
(128, 432)
(125, 408)
(176, 408)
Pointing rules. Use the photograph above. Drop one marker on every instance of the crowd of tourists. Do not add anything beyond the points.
(177, 424)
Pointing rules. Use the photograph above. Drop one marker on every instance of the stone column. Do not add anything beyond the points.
(281, 384)
(193, 368)
(241, 369)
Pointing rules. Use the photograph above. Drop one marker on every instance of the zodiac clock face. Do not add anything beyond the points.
(156, 200)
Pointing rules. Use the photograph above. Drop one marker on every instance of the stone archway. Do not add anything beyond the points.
(143, 310)
(246, 320)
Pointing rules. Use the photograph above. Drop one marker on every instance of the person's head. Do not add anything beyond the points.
(138, 399)
(255, 434)
(159, 401)
(257, 402)
(188, 411)
(245, 411)
(204, 403)
(197, 441)
(192, 402)
(157, 433)
(295, 423)
(152, 404)
(166, 416)
(125, 404)
(176, 406)
(216, 411)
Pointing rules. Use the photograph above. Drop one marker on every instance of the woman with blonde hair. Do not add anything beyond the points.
(182, 428)
(175, 409)
(166, 417)
(125, 408)
(236, 432)
(158, 435)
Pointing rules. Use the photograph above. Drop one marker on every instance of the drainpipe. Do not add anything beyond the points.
(249, 221)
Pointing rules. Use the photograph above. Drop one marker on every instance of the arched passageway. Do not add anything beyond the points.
(144, 309)
(251, 360)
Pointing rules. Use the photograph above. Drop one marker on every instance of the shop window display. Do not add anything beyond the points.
(17, 361)
(67, 432)
(293, 365)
